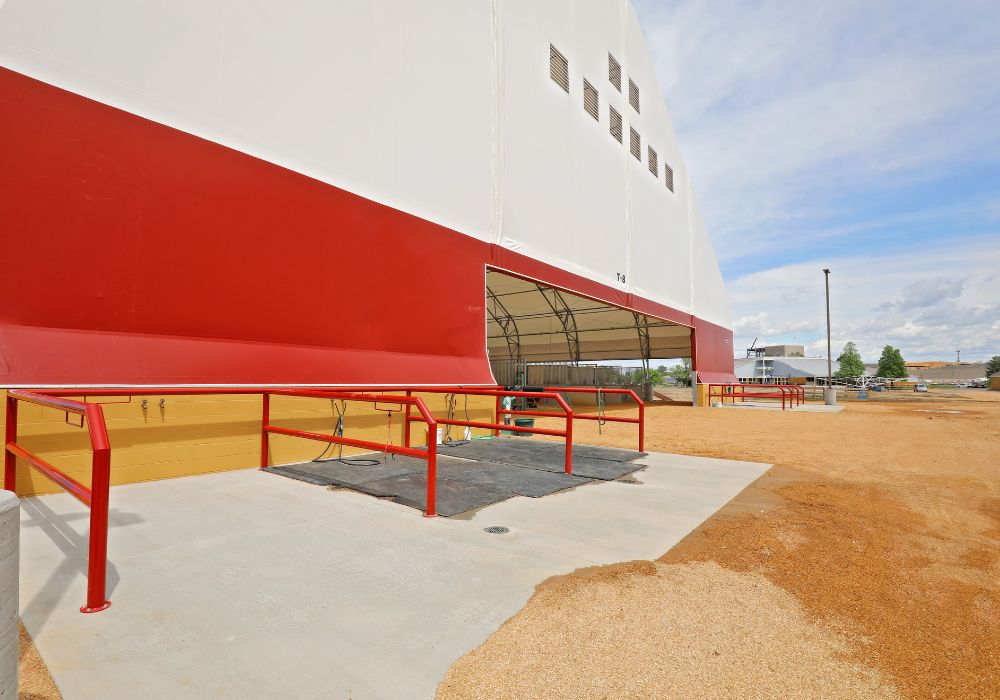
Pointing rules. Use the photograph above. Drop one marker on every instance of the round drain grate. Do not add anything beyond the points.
(496, 530)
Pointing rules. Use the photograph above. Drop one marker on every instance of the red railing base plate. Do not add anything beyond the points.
(85, 609)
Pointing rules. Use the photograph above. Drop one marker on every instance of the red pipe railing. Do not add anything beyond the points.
(430, 454)
(800, 393)
(497, 426)
(796, 393)
(598, 391)
(95, 497)
(792, 393)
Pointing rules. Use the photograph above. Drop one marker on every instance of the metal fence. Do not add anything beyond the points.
(514, 373)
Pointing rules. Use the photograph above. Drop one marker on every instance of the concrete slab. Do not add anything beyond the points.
(769, 406)
(241, 584)
(818, 408)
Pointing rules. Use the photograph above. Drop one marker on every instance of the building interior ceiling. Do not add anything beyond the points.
(535, 323)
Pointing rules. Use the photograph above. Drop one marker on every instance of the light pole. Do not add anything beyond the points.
(830, 395)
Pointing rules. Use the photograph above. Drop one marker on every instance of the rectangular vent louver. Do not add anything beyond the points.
(635, 144)
(669, 175)
(616, 124)
(558, 68)
(591, 101)
(615, 72)
(654, 162)
(633, 95)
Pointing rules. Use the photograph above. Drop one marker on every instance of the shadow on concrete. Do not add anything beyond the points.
(72, 544)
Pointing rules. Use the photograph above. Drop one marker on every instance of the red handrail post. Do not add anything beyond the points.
(642, 426)
(10, 436)
(406, 422)
(100, 487)
(431, 510)
(569, 440)
(496, 433)
(265, 419)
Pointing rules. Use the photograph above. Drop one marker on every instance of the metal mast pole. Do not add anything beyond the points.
(829, 349)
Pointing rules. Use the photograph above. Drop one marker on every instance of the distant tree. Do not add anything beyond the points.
(851, 364)
(656, 376)
(796, 353)
(681, 372)
(901, 364)
(891, 364)
(993, 366)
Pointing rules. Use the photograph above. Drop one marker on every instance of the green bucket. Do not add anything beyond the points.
(524, 423)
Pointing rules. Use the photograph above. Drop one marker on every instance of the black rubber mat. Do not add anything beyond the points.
(606, 464)
(335, 473)
(463, 484)
(454, 496)
(516, 479)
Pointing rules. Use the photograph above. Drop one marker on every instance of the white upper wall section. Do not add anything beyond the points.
(392, 100)
(443, 109)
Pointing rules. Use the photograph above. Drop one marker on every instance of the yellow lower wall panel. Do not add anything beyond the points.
(202, 434)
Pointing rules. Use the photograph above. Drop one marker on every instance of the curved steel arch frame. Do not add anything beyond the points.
(562, 311)
(506, 323)
(154, 257)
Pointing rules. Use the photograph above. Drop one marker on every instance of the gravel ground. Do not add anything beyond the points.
(651, 630)
(34, 681)
(866, 562)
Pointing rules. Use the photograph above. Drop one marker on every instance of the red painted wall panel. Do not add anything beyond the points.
(138, 254)
(210, 266)
(713, 348)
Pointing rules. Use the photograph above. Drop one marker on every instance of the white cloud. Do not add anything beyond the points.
(761, 325)
(783, 107)
(941, 299)
(925, 293)
(821, 126)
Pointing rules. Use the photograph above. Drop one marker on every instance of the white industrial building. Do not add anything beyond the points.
(438, 183)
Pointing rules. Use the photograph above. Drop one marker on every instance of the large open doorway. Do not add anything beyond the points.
(531, 325)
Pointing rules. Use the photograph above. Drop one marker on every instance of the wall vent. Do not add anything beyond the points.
(633, 95)
(591, 102)
(616, 124)
(635, 144)
(558, 68)
(654, 162)
(615, 72)
(669, 176)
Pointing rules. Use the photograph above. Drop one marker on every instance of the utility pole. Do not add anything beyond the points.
(958, 357)
(830, 395)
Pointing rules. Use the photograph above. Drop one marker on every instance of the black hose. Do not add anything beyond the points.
(339, 431)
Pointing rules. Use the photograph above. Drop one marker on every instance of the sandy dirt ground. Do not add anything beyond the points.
(866, 563)
(34, 681)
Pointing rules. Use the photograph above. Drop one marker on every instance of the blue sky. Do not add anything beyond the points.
(859, 136)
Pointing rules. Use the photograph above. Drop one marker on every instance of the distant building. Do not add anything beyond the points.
(766, 368)
(946, 372)
(777, 351)
(785, 351)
